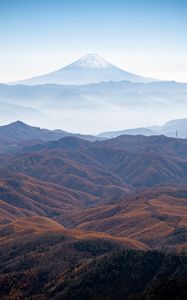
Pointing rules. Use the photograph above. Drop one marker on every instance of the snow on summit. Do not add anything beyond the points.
(91, 61)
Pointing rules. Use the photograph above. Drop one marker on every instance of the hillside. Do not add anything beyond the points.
(156, 217)
(23, 196)
(36, 251)
(56, 265)
(126, 275)
(119, 164)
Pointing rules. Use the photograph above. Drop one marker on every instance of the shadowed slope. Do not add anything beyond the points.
(126, 275)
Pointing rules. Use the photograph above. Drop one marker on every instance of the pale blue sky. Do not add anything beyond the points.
(141, 36)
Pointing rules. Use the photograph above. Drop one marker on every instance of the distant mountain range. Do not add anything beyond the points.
(173, 128)
(77, 108)
(17, 135)
(91, 68)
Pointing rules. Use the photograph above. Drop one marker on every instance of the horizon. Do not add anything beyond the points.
(38, 37)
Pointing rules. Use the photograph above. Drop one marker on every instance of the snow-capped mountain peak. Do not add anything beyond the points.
(91, 68)
(91, 61)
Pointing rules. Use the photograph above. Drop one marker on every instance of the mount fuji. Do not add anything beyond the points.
(91, 68)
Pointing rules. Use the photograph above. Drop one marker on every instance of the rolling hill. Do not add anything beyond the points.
(156, 217)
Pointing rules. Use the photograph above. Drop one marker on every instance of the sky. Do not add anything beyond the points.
(146, 37)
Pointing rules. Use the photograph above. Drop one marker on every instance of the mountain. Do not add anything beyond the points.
(135, 131)
(18, 134)
(174, 128)
(91, 68)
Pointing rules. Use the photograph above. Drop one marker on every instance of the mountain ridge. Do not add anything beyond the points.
(18, 134)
